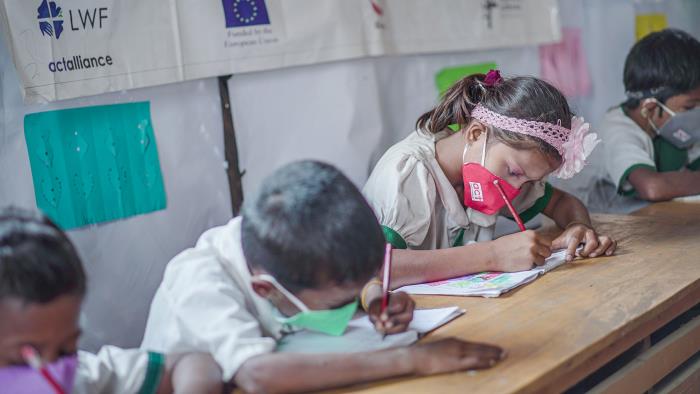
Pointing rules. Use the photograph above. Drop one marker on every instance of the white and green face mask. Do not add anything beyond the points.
(328, 321)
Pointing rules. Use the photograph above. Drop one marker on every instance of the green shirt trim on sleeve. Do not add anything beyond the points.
(394, 238)
(459, 239)
(154, 372)
(539, 205)
(626, 174)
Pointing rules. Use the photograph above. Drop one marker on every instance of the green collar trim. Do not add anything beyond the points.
(539, 205)
(667, 157)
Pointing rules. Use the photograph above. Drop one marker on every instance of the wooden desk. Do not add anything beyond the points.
(570, 322)
(685, 210)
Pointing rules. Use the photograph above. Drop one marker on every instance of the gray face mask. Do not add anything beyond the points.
(682, 129)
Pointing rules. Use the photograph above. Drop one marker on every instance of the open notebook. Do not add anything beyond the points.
(361, 335)
(487, 284)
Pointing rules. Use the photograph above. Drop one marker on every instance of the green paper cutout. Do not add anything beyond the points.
(94, 164)
(446, 77)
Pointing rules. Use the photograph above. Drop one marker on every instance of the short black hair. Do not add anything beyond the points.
(661, 65)
(38, 263)
(309, 226)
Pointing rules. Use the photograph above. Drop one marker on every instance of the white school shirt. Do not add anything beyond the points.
(626, 147)
(115, 370)
(419, 208)
(206, 303)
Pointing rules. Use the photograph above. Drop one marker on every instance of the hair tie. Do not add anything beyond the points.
(493, 78)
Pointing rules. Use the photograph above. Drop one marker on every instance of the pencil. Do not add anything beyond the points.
(385, 281)
(510, 206)
(32, 358)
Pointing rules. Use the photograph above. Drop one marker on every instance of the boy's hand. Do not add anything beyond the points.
(519, 251)
(397, 316)
(595, 245)
(451, 354)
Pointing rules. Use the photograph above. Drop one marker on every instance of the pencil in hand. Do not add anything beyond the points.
(385, 284)
(31, 357)
(510, 206)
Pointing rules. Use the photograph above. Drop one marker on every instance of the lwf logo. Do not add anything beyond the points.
(51, 18)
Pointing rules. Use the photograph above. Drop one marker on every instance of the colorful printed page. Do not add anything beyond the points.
(487, 284)
(361, 336)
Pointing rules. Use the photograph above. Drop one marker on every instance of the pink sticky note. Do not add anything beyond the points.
(563, 64)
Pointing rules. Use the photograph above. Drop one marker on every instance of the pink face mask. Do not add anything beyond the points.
(26, 380)
(480, 192)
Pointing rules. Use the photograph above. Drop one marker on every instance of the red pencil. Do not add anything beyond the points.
(386, 279)
(510, 206)
(32, 358)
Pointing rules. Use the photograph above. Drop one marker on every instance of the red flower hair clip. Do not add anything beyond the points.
(493, 78)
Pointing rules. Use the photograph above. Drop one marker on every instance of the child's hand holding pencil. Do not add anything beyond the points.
(396, 317)
(392, 312)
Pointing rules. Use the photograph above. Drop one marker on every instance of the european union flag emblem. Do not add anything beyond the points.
(241, 13)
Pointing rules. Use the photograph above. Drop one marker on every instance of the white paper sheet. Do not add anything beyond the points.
(424, 320)
(361, 335)
(693, 198)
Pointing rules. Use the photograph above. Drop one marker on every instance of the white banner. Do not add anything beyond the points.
(70, 48)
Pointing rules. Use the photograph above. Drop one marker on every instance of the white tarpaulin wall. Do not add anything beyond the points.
(346, 113)
(125, 259)
(72, 48)
(349, 112)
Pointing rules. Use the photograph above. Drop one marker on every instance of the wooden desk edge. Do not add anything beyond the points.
(566, 375)
(596, 355)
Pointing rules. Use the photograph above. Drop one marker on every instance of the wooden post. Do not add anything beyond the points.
(230, 147)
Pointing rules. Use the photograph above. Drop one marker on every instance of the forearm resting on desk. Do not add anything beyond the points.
(661, 186)
(293, 373)
(419, 266)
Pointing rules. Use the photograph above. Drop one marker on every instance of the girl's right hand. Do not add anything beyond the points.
(451, 355)
(519, 251)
